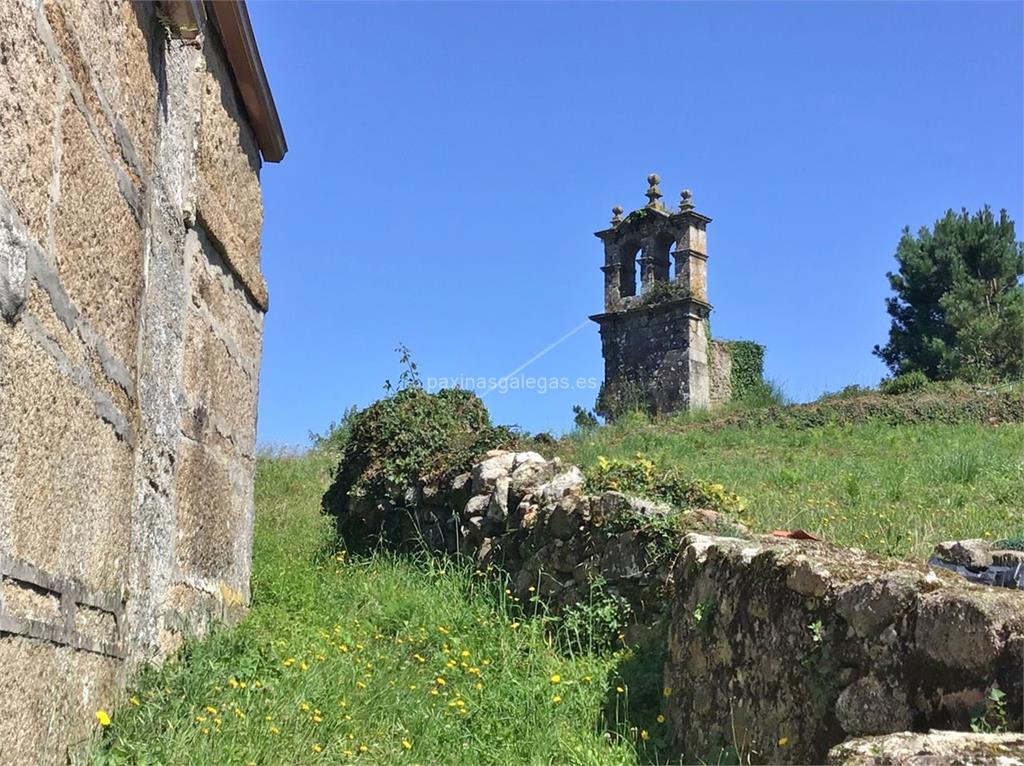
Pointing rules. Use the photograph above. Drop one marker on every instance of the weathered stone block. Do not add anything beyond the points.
(105, 44)
(214, 517)
(216, 289)
(99, 243)
(230, 202)
(933, 748)
(28, 99)
(222, 392)
(66, 475)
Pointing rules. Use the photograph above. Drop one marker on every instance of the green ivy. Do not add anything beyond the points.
(747, 367)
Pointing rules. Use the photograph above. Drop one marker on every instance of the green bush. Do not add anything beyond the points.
(904, 384)
(409, 439)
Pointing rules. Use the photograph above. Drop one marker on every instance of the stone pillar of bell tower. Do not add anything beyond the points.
(653, 335)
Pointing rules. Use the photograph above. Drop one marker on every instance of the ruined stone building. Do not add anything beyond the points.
(132, 303)
(658, 355)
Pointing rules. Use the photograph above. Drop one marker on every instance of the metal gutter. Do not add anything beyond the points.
(231, 17)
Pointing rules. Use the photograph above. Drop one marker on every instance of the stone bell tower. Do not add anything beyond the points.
(653, 329)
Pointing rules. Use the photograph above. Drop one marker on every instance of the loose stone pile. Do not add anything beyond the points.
(532, 518)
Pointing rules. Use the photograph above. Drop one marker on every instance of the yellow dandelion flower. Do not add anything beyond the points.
(464, 653)
(783, 741)
(667, 691)
(274, 730)
(211, 710)
(661, 719)
(303, 666)
(407, 744)
(620, 690)
(103, 717)
(232, 683)
(556, 699)
(200, 719)
(588, 679)
(206, 731)
(441, 681)
(556, 679)
(531, 589)
(412, 687)
(644, 735)
(514, 625)
(304, 707)
(442, 629)
(360, 684)
(289, 662)
(419, 658)
(135, 701)
(363, 748)
(317, 748)
(478, 686)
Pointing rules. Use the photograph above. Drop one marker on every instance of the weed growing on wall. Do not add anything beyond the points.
(652, 478)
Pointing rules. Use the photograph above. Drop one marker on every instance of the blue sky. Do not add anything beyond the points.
(448, 164)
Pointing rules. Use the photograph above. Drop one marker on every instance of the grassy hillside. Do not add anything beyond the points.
(892, 475)
(397, 660)
(377, 660)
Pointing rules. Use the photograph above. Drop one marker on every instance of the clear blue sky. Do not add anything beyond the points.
(448, 164)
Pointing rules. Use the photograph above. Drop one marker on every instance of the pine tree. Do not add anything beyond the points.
(958, 309)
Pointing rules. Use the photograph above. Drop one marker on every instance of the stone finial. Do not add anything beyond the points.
(685, 200)
(616, 215)
(653, 193)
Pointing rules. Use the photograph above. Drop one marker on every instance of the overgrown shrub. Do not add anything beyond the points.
(655, 480)
(904, 384)
(334, 439)
(409, 439)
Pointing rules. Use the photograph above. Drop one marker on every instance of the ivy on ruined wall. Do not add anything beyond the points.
(747, 366)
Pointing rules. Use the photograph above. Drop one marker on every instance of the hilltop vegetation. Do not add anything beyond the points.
(892, 474)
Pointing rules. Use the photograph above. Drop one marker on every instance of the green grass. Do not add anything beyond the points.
(340, 661)
(892, 489)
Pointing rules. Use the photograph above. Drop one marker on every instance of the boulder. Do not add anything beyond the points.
(487, 472)
(965, 553)
(497, 507)
(569, 481)
(476, 506)
(933, 748)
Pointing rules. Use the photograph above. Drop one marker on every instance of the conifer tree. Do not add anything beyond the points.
(958, 309)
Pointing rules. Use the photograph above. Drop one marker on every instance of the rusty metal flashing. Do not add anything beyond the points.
(71, 593)
(231, 17)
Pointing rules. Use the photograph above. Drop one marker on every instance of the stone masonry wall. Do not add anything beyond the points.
(777, 649)
(782, 649)
(132, 309)
(719, 373)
